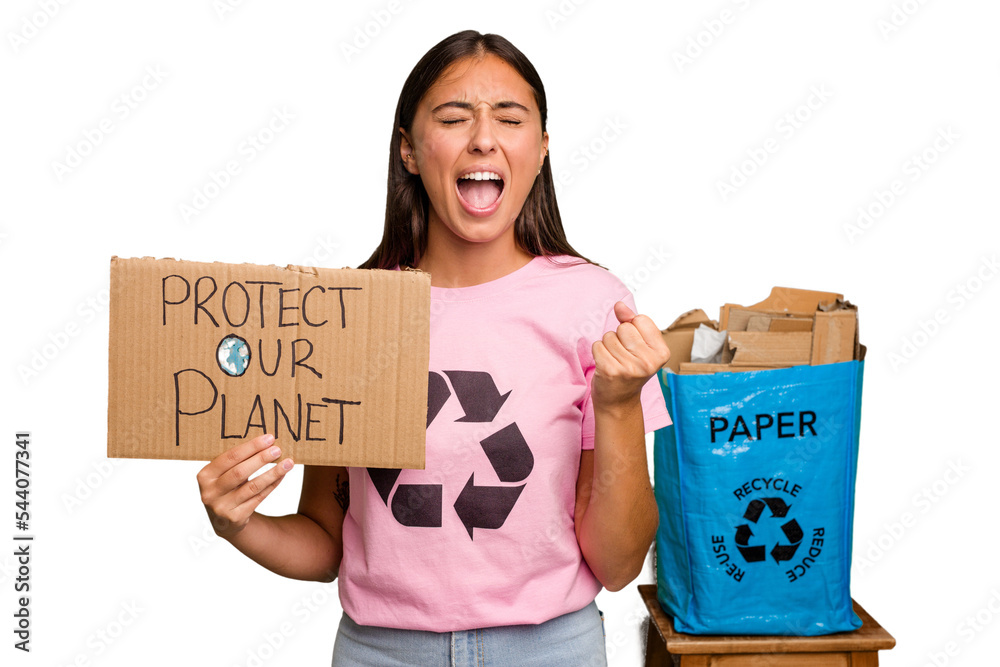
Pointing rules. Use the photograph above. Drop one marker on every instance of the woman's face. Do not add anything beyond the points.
(477, 144)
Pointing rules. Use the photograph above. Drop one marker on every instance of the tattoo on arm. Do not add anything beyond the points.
(342, 491)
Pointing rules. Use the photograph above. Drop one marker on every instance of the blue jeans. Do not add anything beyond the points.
(575, 640)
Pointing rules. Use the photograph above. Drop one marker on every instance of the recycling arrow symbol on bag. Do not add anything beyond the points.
(420, 505)
(780, 552)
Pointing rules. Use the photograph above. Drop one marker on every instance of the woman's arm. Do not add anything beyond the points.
(616, 515)
(306, 545)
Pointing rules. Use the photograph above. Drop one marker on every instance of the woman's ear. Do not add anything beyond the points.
(545, 150)
(406, 153)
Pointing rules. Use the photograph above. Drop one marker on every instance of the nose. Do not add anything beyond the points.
(482, 140)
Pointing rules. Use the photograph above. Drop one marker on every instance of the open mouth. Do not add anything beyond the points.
(480, 190)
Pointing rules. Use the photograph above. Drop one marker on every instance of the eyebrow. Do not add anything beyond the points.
(505, 104)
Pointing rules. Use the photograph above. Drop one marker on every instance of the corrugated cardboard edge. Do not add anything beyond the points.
(834, 337)
(784, 300)
(789, 308)
(294, 268)
(766, 348)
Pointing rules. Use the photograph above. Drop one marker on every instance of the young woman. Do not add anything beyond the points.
(536, 490)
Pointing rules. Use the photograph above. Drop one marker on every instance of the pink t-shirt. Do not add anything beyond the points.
(484, 536)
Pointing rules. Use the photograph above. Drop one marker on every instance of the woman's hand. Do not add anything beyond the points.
(616, 515)
(229, 495)
(626, 358)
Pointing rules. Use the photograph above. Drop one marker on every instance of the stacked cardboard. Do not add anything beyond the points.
(791, 327)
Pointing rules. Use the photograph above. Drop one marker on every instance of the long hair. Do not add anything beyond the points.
(538, 229)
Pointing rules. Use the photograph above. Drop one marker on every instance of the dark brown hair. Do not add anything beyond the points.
(538, 229)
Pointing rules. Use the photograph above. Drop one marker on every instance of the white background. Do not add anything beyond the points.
(645, 139)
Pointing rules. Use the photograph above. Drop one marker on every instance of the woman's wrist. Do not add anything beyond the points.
(623, 409)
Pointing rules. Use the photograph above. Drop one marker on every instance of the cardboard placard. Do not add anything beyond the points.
(333, 362)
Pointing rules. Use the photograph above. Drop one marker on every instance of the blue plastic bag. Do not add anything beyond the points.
(755, 487)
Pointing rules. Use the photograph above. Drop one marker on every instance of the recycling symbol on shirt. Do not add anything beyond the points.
(780, 552)
(421, 505)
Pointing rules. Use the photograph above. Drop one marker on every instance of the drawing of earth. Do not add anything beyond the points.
(233, 355)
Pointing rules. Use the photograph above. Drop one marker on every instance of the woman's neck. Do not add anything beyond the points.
(464, 264)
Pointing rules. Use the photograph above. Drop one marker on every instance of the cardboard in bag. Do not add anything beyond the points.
(332, 362)
(787, 301)
(679, 337)
(791, 327)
